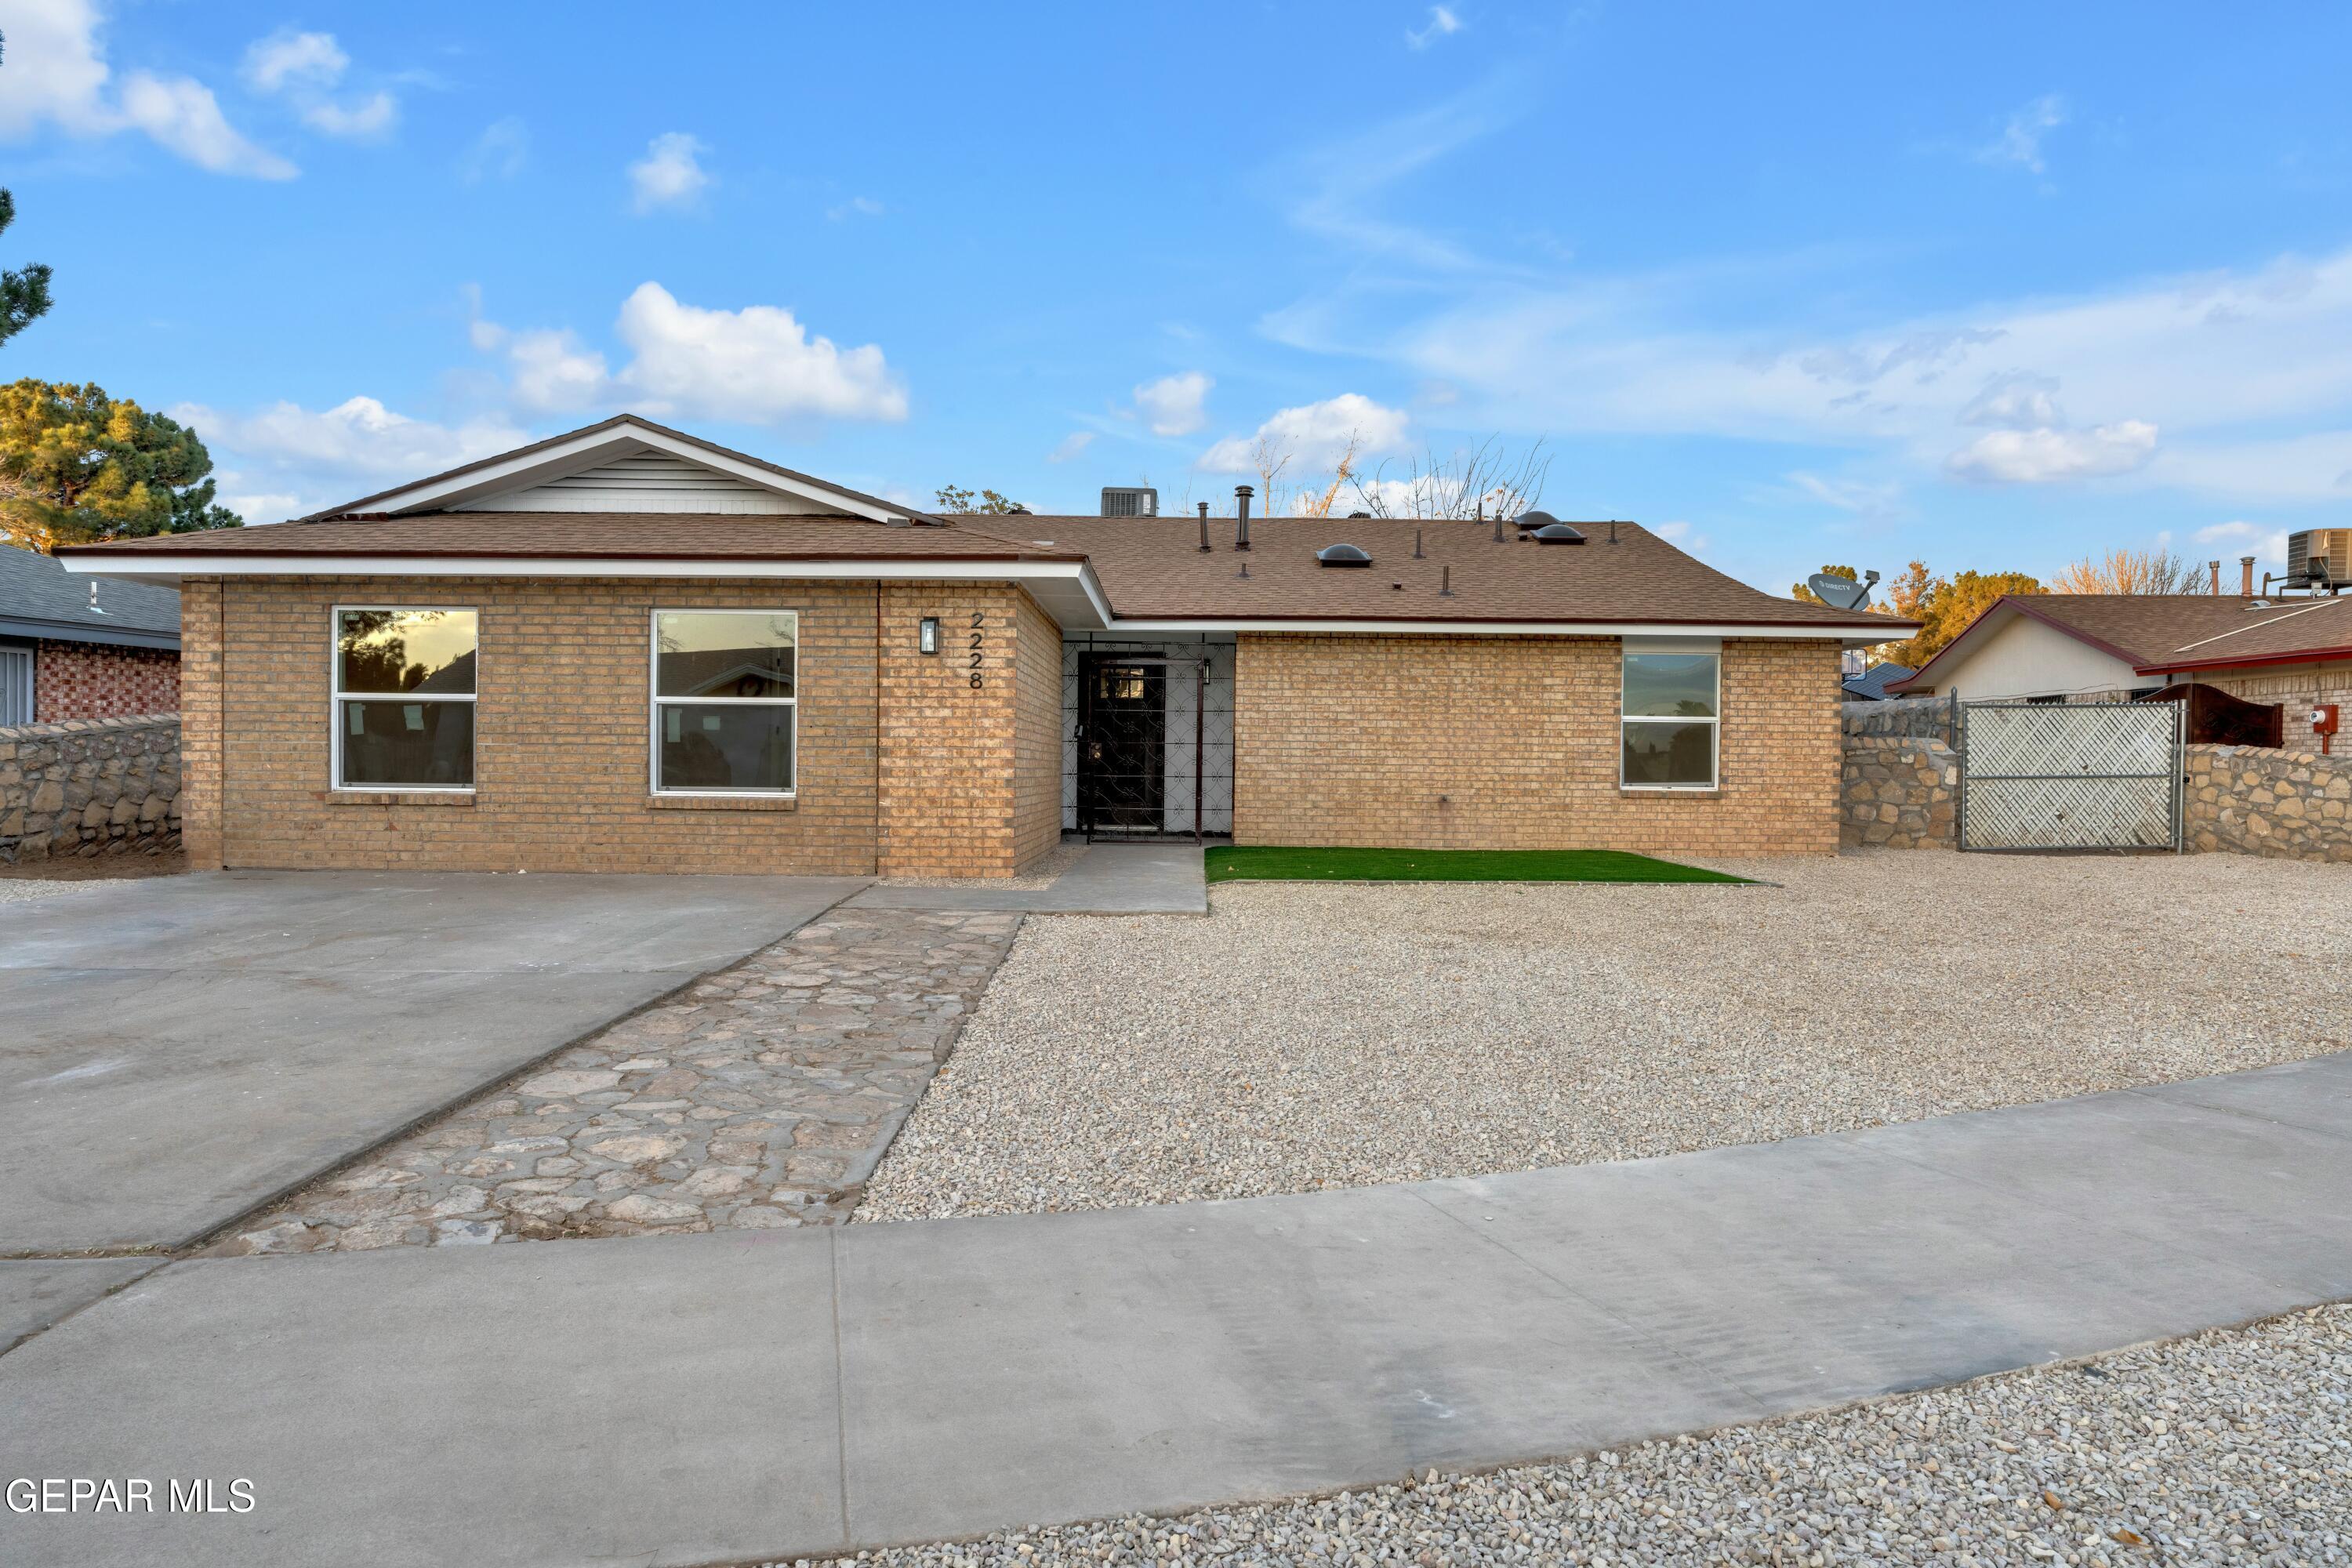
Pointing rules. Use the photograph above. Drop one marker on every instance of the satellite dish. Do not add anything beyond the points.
(1841, 592)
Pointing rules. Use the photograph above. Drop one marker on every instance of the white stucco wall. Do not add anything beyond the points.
(2022, 657)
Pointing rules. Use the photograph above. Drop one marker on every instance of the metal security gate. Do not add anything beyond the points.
(2070, 775)
(15, 686)
(1151, 746)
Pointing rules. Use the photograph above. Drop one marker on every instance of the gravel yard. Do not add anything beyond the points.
(1315, 1035)
(2232, 1447)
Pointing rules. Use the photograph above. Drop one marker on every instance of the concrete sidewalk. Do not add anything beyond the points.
(1108, 879)
(725, 1398)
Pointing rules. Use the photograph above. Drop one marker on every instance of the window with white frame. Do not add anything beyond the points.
(725, 702)
(1671, 714)
(403, 698)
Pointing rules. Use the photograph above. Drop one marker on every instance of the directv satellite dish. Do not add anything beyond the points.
(1841, 592)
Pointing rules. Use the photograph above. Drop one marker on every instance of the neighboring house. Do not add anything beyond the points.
(2060, 647)
(71, 647)
(1871, 684)
(626, 648)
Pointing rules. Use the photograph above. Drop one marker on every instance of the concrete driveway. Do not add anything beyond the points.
(174, 1052)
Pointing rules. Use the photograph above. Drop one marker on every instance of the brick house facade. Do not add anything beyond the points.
(76, 649)
(1476, 689)
(91, 680)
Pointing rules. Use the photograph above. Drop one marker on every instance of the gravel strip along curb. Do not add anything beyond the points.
(2232, 1447)
(1307, 1037)
(23, 890)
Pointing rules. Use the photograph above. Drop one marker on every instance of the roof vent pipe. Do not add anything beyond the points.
(2246, 575)
(1242, 494)
(1613, 530)
(1499, 525)
(2217, 579)
(1204, 528)
(1445, 582)
(1416, 546)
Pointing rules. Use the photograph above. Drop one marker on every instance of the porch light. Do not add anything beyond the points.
(928, 639)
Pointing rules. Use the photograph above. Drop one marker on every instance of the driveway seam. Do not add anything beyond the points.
(2153, 1091)
(75, 1311)
(840, 1385)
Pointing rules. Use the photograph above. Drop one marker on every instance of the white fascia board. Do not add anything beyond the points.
(169, 569)
(586, 451)
(1845, 635)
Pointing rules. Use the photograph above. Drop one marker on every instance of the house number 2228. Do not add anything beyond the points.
(979, 636)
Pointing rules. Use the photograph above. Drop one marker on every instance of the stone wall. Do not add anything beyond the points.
(1927, 718)
(1901, 792)
(89, 787)
(2251, 800)
(1514, 742)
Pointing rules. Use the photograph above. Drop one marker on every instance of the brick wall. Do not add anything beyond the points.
(1513, 742)
(1037, 734)
(2295, 687)
(901, 743)
(93, 680)
(963, 790)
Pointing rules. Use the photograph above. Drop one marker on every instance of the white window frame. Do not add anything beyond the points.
(655, 701)
(1631, 646)
(337, 697)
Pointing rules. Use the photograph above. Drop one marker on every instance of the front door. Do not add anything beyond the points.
(1122, 744)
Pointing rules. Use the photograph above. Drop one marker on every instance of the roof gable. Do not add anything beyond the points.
(626, 464)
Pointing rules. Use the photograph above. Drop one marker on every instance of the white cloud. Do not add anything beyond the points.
(304, 67)
(855, 207)
(291, 460)
(1865, 499)
(1174, 405)
(2268, 545)
(364, 121)
(670, 175)
(2047, 455)
(301, 58)
(1315, 433)
(500, 152)
(57, 75)
(1070, 446)
(1684, 537)
(2019, 140)
(756, 365)
(2015, 402)
(1443, 23)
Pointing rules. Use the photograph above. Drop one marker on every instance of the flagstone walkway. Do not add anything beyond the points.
(760, 1097)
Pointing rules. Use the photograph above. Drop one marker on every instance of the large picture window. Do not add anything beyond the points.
(403, 698)
(1672, 715)
(725, 702)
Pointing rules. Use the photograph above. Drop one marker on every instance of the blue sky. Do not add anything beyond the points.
(1991, 286)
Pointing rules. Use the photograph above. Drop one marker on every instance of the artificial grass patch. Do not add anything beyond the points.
(1276, 864)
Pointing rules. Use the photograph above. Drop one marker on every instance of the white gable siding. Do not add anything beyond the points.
(644, 481)
(2027, 659)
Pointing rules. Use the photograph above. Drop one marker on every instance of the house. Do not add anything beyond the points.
(627, 648)
(1871, 684)
(2296, 652)
(71, 647)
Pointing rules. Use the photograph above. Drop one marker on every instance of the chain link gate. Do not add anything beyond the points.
(2070, 776)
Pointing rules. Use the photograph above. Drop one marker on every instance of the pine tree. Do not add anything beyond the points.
(76, 465)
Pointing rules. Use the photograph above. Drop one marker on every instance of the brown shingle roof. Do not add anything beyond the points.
(1152, 569)
(2157, 632)
(592, 535)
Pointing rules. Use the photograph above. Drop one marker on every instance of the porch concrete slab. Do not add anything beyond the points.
(177, 1051)
(1108, 879)
(673, 1400)
(630, 1401)
(37, 1292)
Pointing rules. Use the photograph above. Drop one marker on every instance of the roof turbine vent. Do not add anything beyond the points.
(1341, 555)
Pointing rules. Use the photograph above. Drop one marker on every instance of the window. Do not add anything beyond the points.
(403, 699)
(1671, 716)
(725, 702)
